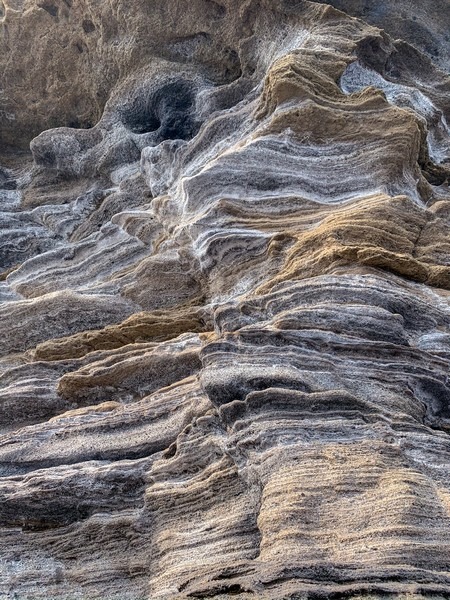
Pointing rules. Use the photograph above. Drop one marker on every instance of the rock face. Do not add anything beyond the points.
(224, 299)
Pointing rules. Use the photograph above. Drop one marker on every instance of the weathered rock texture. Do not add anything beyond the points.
(225, 299)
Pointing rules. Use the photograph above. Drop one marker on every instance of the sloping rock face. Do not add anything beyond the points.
(225, 299)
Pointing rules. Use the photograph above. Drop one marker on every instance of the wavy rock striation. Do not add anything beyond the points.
(225, 300)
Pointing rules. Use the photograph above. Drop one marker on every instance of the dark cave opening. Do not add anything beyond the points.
(167, 111)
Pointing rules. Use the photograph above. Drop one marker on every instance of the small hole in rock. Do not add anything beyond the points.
(171, 451)
(166, 111)
(88, 26)
(215, 10)
(142, 120)
(79, 124)
(50, 8)
(2, 10)
(174, 103)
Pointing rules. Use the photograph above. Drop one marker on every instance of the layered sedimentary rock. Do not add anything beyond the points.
(224, 287)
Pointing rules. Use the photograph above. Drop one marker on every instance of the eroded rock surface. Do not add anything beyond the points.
(224, 300)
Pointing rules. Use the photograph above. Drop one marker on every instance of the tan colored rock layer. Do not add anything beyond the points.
(393, 234)
(141, 327)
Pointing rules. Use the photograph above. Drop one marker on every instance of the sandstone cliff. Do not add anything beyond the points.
(224, 299)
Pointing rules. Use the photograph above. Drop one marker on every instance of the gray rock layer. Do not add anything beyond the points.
(224, 300)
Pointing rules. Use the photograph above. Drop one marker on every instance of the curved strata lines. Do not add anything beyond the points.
(224, 301)
(380, 232)
(94, 433)
(141, 327)
(72, 267)
(135, 370)
(29, 322)
(357, 77)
